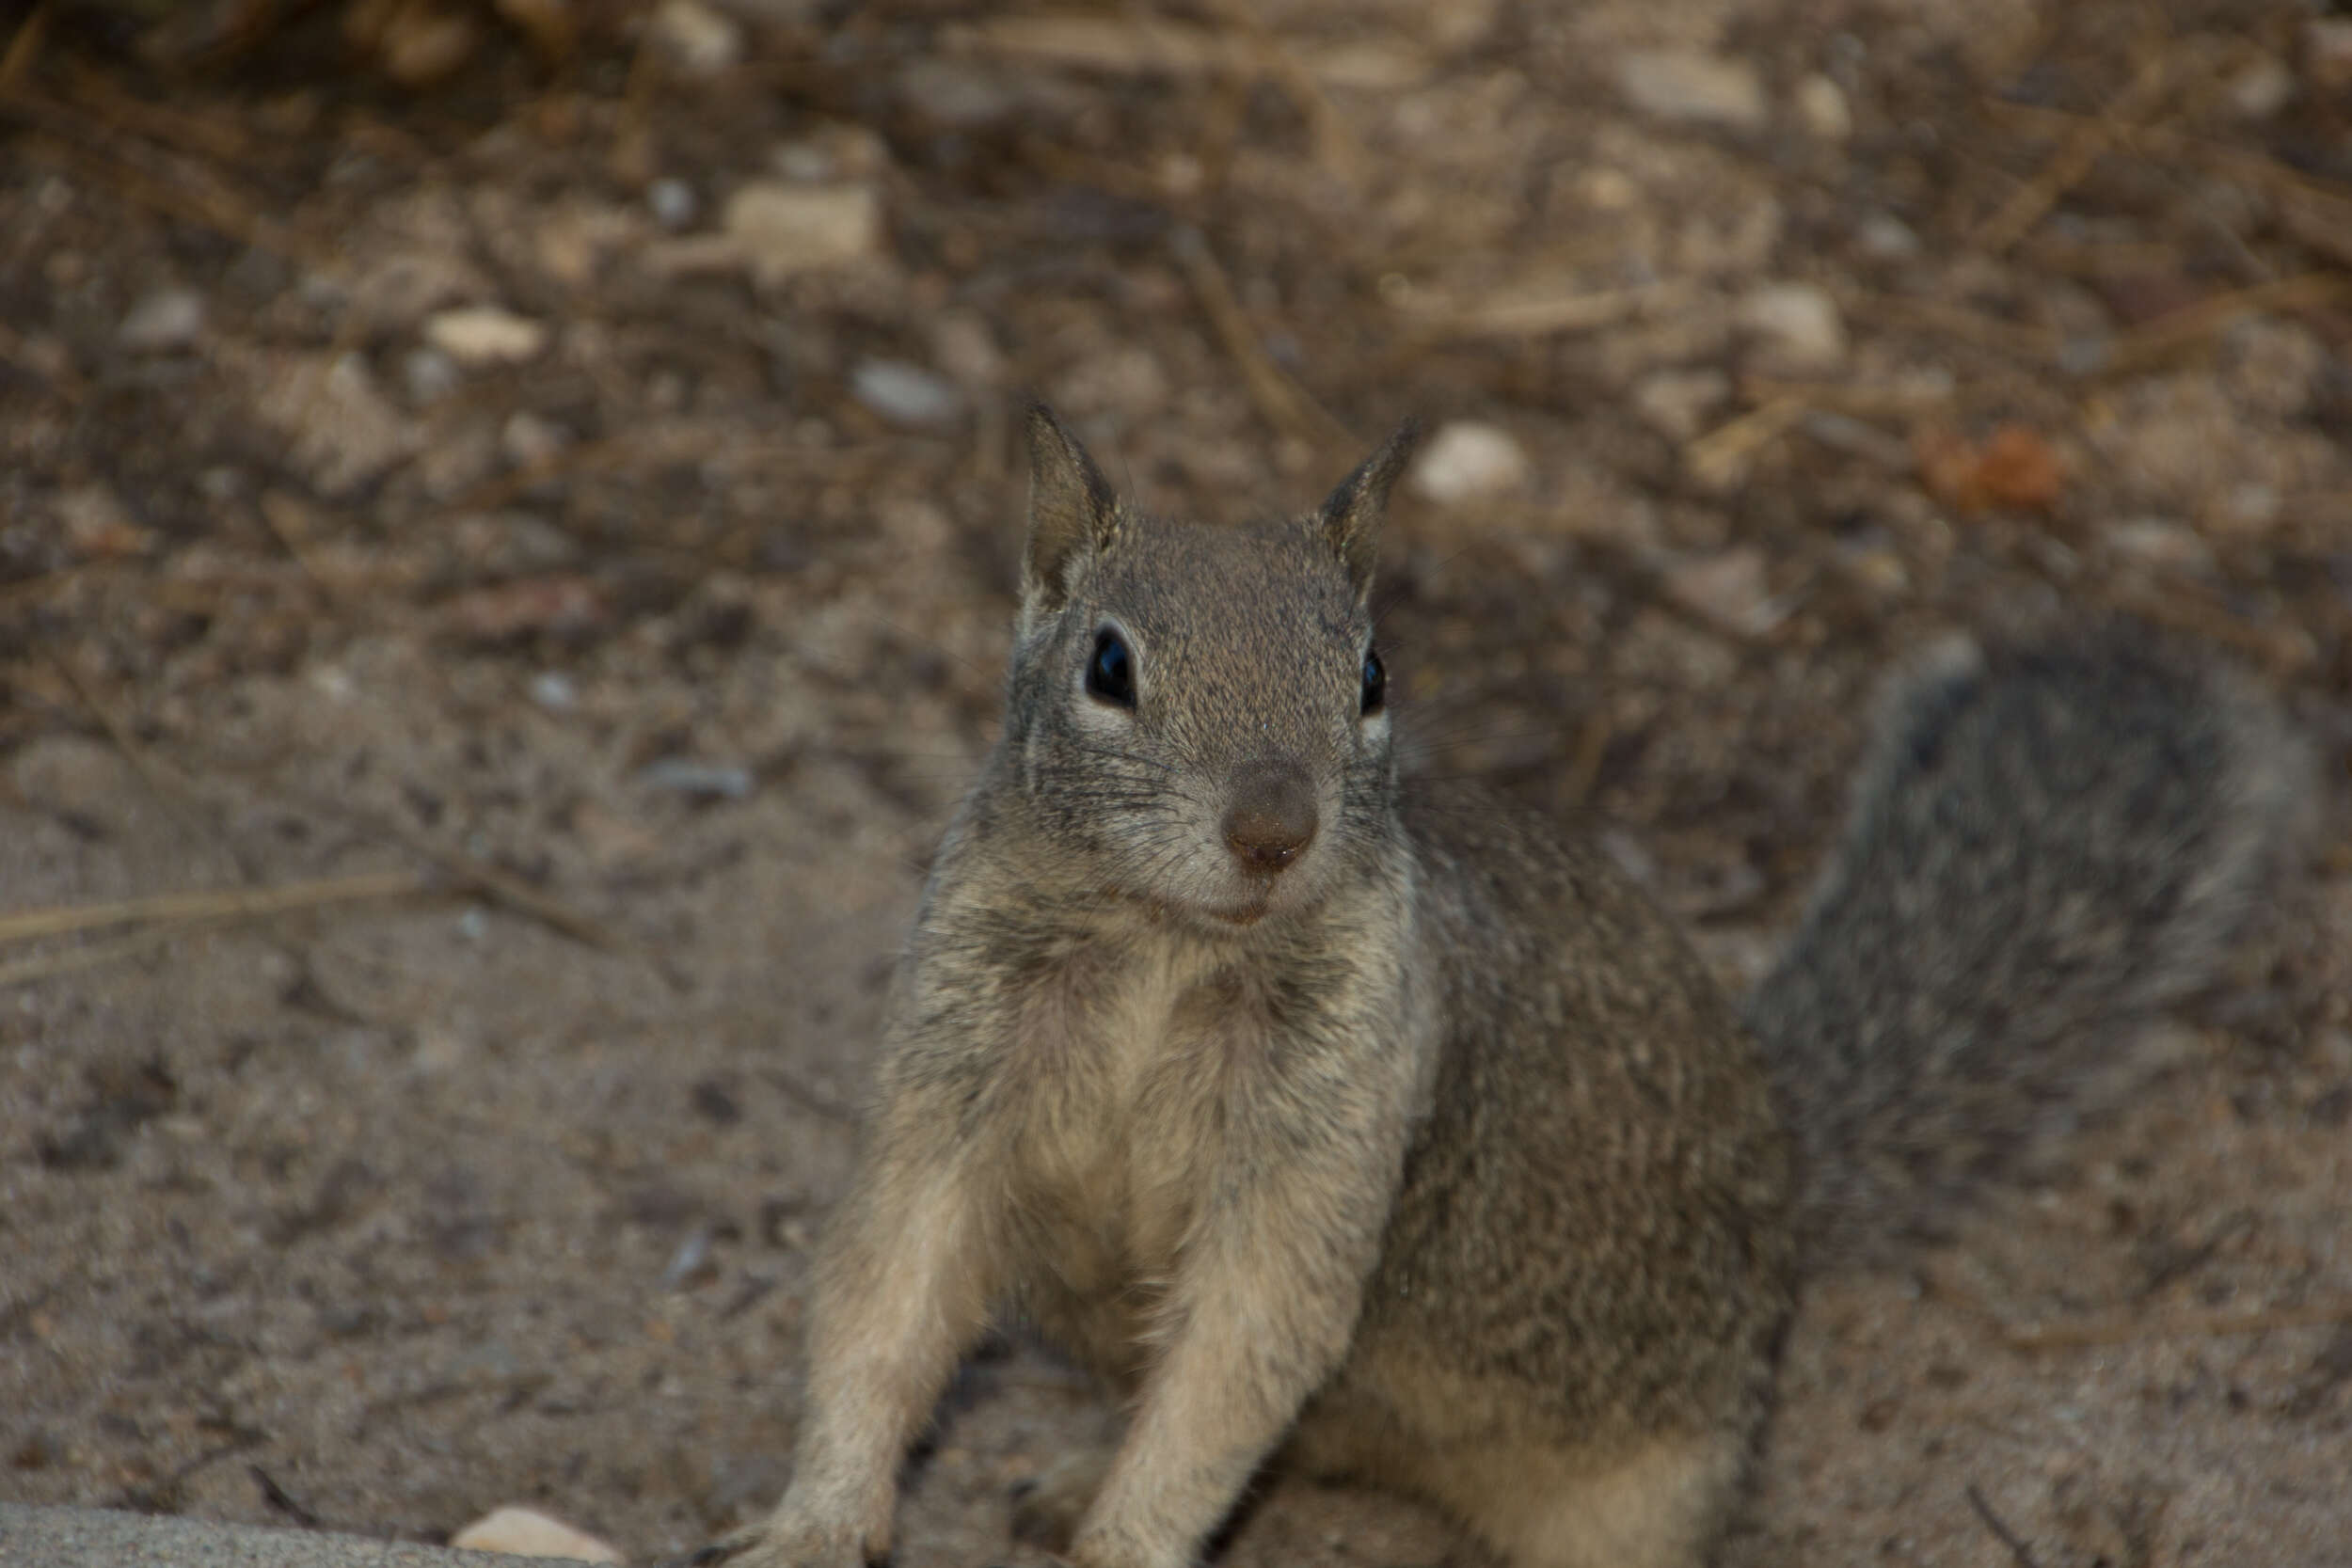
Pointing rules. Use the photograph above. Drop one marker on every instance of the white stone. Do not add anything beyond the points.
(696, 38)
(165, 320)
(1796, 326)
(1728, 589)
(481, 335)
(530, 440)
(1884, 237)
(342, 431)
(1468, 460)
(1691, 87)
(906, 394)
(2260, 89)
(1821, 105)
(1677, 403)
(782, 229)
(2163, 543)
(527, 1532)
(672, 202)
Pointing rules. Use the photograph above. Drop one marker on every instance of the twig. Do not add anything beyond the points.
(222, 903)
(1541, 315)
(2091, 140)
(73, 961)
(1720, 456)
(2177, 329)
(1988, 332)
(2001, 1532)
(1282, 401)
(24, 47)
(506, 888)
(192, 201)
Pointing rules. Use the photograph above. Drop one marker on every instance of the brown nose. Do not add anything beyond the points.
(1272, 817)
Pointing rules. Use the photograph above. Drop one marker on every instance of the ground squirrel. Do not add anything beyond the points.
(1384, 1132)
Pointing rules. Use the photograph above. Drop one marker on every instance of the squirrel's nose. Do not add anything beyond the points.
(1272, 817)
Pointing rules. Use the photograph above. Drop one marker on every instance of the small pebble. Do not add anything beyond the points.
(706, 779)
(672, 201)
(693, 1256)
(906, 394)
(1677, 403)
(1796, 325)
(2164, 543)
(2260, 89)
(478, 336)
(1727, 589)
(1821, 106)
(782, 229)
(553, 689)
(528, 1532)
(529, 439)
(1687, 86)
(430, 376)
(1468, 460)
(165, 320)
(1884, 237)
(697, 37)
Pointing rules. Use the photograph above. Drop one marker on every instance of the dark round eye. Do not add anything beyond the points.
(1111, 672)
(1375, 682)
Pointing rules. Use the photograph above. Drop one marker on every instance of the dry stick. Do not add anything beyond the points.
(1954, 321)
(1537, 316)
(217, 904)
(1281, 400)
(2032, 201)
(2168, 141)
(2178, 329)
(221, 212)
(24, 47)
(96, 955)
(2008, 1537)
(222, 139)
(506, 888)
(1717, 457)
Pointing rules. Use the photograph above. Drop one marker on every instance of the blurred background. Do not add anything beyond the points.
(508, 516)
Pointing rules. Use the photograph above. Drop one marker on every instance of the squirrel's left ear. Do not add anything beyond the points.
(1073, 512)
(1350, 519)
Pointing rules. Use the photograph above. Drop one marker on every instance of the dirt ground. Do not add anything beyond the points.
(523, 542)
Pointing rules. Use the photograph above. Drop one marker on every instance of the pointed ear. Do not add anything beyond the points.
(1073, 510)
(1350, 519)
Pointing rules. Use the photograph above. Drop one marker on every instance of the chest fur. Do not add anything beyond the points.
(1124, 1060)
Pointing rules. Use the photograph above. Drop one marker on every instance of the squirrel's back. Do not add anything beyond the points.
(2047, 839)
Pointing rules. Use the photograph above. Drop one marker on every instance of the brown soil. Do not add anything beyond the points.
(633, 672)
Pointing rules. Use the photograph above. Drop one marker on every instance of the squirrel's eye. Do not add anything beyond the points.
(1375, 683)
(1111, 672)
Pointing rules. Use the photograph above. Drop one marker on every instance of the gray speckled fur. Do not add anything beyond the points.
(1436, 1159)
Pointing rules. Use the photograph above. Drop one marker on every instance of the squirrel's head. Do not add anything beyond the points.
(1198, 712)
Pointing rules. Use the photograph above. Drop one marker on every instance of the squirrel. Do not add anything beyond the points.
(1373, 1128)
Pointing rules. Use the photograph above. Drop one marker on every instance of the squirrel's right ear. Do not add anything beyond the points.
(1350, 517)
(1073, 510)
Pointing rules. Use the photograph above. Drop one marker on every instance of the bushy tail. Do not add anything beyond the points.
(2047, 842)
